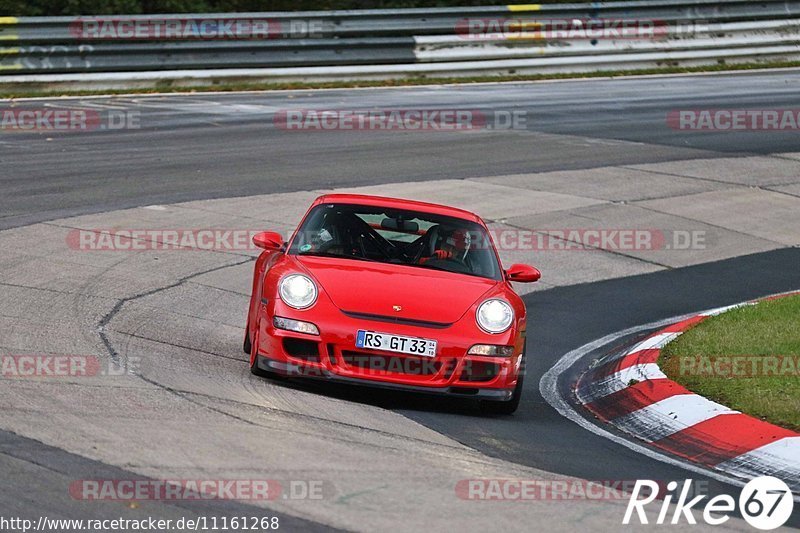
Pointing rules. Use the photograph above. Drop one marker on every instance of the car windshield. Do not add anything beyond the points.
(397, 236)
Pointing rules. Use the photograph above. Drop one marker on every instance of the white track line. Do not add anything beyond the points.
(548, 387)
(195, 92)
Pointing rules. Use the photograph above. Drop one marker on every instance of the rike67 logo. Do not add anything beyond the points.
(765, 502)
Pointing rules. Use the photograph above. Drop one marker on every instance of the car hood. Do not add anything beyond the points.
(375, 288)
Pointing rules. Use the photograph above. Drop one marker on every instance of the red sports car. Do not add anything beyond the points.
(390, 293)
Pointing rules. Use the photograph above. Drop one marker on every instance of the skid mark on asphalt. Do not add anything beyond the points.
(189, 396)
(237, 293)
(181, 346)
(150, 241)
(195, 399)
(102, 325)
(594, 248)
(344, 499)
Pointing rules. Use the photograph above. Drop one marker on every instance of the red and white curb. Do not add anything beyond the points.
(631, 392)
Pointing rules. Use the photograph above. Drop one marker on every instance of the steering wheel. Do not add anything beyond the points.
(450, 265)
(427, 243)
(432, 235)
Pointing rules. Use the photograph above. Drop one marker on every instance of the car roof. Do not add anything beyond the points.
(397, 203)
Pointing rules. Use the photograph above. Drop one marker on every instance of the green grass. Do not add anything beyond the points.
(699, 359)
(166, 86)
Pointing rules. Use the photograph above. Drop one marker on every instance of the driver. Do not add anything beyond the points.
(453, 246)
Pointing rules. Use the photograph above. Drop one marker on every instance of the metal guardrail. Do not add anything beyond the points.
(393, 43)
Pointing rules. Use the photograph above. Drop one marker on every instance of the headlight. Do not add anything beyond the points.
(298, 291)
(495, 316)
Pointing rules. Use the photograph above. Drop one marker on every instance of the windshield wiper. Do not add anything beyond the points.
(417, 265)
(431, 267)
(337, 256)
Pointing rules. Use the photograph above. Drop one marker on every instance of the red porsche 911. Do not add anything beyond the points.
(390, 293)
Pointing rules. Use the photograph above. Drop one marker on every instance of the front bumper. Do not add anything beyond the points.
(333, 356)
(295, 370)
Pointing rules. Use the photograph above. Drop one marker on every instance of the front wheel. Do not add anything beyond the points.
(247, 347)
(507, 407)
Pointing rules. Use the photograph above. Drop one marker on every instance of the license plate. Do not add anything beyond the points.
(373, 340)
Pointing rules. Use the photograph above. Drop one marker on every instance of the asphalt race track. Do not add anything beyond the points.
(198, 147)
(187, 143)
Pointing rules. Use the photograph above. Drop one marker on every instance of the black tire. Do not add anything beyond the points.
(258, 372)
(507, 407)
(510, 406)
(247, 347)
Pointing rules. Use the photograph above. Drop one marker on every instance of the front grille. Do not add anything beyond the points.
(479, 371)
(384, 364)
(398, 320)
(331, 349)
(301, 349)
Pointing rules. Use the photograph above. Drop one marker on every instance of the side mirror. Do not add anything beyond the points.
(523, 273)
(268, 240)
